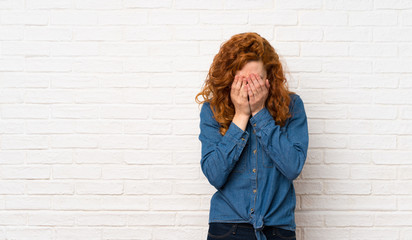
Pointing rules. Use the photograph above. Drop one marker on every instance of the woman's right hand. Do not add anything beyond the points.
(239, 96)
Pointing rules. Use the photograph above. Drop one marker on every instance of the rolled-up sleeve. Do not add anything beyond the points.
(287, 149)
(219, 153)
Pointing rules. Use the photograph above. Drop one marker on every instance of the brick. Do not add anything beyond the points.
(101, 219)
(125, 203)
(321, 233)
(328, 141)
(347, 187)
(298, 4)
(393, 219)
(373, 172)
(198, 4)
(299, 34)
(373, 112)
(372, 203)
(347, 66)
(375, 50)
(223, 18)
(373, 18)
(175, 18)
(147, 4)
(47, 187)
(324, 50)
(401, 4)
(307, 187)
(123, 17)
(125, 172)
(279, 18)
(175, 203)
(112, 233)
(36, 33)
(148, 186)
(325, 111)
(49, 4)
(99, 4)
(392, 157)
(391, 34)
(357, 5)
(47, 219)
(347, 156)
(325, 172)
(156, 218)
(350, 219)
(177, 172)
(347, 126)
(76, 18)
(100, 187)
(393, 66)
(195, 33)
(77, 232)
(392, 188)
(372, 142)
(346, 34)
(323, 18)
(27, 202)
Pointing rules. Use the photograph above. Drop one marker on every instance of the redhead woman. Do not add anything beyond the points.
(254, 137)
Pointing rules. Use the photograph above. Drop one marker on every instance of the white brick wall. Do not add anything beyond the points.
(98, 130)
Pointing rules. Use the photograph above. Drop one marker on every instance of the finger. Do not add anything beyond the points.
(250, 92)
(257, 83)
(245, 83)
(261, 81)
(234, 82)
(253, 87)
(233, 86)
(236, 88)
(244, 88)
(238, 84)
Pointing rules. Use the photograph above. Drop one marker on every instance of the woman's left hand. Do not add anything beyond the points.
(258, 91)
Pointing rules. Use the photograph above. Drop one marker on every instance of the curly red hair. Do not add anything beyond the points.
(232, 56)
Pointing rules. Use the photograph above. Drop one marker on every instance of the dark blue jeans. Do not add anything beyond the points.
(245, 231)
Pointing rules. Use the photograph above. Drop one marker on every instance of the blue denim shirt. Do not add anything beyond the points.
(253, 170)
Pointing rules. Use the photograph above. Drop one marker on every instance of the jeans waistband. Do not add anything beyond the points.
(248, 225)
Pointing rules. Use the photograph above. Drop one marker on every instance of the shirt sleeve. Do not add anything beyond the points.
(219, 153)
(287, 149)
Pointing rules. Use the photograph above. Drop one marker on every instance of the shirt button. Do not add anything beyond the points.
(243, 139)
(252, 210)
(254, 151)
(254, 131)
(254, 124)
(254, 170)
(254, 190)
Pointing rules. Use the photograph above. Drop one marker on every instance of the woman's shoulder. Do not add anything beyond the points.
(296, 105)
(206, 110)
(295, 97)
(206, 106)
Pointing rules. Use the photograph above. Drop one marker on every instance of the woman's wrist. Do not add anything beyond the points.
(241, 120)
(256, 111)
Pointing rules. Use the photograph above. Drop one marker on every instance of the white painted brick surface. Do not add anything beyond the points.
(99, 128)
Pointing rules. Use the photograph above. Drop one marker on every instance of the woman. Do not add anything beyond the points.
(254, 138)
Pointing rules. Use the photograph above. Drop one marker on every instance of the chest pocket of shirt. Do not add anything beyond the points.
(240, 165)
